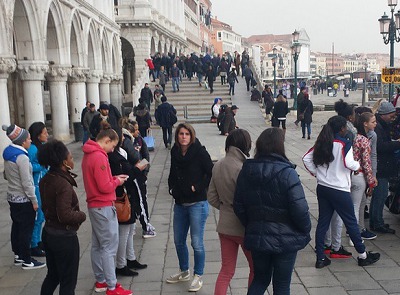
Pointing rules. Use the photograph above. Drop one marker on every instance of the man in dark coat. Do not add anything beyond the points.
(387, 167)
(229, 121)
(166, 118)
(146, 95)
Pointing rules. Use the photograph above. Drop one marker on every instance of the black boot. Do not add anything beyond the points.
(126, 272)
(134, 264)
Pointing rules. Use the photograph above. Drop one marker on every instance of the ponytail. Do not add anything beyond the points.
(324, 144)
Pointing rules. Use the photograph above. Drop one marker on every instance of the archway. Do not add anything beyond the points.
(128, 65)
(152, 46)
(159, 47)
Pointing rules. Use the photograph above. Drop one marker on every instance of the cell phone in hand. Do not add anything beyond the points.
(143, 162)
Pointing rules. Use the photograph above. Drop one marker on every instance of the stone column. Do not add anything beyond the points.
(7, 66)
(32, 73)
(77, 93)
(105, 87)
(92, 86)
(57, 78)
(115, 91)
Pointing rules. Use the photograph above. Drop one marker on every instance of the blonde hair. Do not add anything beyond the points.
(376, 106)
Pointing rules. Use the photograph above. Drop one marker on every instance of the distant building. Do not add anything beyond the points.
(206, 26)
(224, 38)
(192, 24)
(269, 41)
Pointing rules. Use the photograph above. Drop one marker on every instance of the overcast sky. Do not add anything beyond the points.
(352, 25)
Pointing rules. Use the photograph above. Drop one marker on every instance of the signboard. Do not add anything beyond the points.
(390, 75)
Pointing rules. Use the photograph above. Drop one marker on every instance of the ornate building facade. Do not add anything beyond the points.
(147, 27)
(54, 56)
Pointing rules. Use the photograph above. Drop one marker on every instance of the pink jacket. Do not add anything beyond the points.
(362, 154)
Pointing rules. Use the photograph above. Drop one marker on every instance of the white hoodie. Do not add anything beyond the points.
(336, 175)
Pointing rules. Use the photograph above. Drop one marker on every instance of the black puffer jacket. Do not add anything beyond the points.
(194, 168)
(270, 203)
(385, 150)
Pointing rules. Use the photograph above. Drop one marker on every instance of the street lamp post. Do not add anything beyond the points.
(274, 60)
(365, 83)
(296, 48)
(389, 29)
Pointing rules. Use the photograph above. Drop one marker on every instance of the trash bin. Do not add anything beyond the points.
(330, 91)
(315, 91)
(78, 131)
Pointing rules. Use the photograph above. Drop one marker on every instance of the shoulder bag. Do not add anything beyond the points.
(123, 207)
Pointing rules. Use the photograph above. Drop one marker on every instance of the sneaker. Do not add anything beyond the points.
(149, 234)
(37, 252)
(18, 261)
(125, 272)
(100, 287)
(136, 264)
(371, 258)
(34, 264)
(182, 276)
(118, 291)
(383, 229)
(341, 253)
(327, 249)
(150, 227)
(196, 284)
(322, 262)
(367, 235)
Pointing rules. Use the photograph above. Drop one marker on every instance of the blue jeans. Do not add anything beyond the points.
(379, 196)
(193, 217)
(330, 200)
(175, 83)
(303, 128)
(85, 136)
(277, 266)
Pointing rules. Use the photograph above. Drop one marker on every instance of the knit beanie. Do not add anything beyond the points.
(16, 134)
(386, 108)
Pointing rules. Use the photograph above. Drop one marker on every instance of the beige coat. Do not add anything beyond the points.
(222, 190)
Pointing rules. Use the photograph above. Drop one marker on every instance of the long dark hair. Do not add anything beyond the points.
(324, 144)
(239, 138)
(35, 130)
(270, 141)
(363, 118)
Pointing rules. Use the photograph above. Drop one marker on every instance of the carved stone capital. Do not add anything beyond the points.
(106, 78)
(58, 73)
(7, 66)
(94, 76)
(32, 70)
(78, 75)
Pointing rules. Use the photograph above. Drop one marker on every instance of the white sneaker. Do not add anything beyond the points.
(182, 276)
(196, 284)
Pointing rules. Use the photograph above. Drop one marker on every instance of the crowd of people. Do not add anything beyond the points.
(261, 201)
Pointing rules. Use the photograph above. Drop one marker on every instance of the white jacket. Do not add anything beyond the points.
(336, 175)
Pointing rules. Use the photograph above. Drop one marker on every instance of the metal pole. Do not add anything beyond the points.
(274, 79)
(365, 86)
(295, 82)
(392, 33)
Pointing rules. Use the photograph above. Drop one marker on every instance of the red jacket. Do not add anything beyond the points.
(99, 184)
(150, 63)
